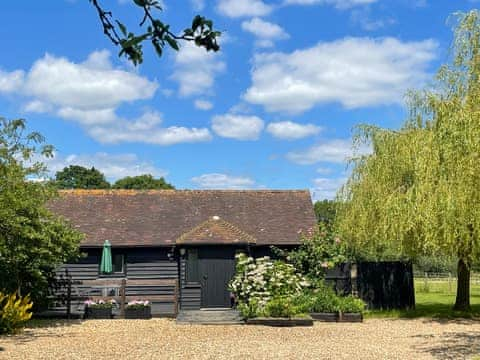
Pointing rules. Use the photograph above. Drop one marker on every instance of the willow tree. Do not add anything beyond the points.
(418, 192)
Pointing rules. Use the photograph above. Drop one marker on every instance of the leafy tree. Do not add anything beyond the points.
(201, 32)
(33, 242)
(325, 211)
(418, 192)
(321, 249)
(79, 177)
(142, 182)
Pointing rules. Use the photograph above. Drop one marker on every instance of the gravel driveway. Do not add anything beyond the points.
(164, 339)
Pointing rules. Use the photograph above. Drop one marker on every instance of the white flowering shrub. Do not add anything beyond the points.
(260, 283)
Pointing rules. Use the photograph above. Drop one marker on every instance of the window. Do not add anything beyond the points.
(118, 263)
(192, 266)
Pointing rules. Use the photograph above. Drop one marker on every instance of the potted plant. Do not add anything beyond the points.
(99, 309)
(351, 309)
(138, 309)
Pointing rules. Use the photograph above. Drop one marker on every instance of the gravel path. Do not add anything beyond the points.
(164, 339)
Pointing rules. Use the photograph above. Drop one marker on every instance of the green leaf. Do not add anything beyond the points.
(122, 27)
(197, 21)
(140, 3)
(172, 42)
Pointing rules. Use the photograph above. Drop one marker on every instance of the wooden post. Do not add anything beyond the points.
(69, 293)
(177, 296)
(123, 297)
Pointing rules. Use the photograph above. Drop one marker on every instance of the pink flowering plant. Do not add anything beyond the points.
(100, 304)
(262, 284)
(321, 249)
(138, 304)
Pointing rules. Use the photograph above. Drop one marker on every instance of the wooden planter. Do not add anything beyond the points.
(144, 312)
(306, 321)
(350, 317)
(98, 313)
(326, 317)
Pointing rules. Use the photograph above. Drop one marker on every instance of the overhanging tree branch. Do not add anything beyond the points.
(157, 32)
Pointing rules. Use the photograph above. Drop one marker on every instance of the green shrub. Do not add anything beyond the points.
(281, 307)
(259, 282)
(350, 304)
(14, 312)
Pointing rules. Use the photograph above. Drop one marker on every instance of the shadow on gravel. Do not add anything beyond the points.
(31, 332)
(453, 345)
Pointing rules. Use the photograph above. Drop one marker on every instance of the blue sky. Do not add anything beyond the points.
(273, 109)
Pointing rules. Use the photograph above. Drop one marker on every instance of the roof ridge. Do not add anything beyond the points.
(171, 191)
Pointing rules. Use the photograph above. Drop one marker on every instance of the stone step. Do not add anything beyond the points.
(213, 317)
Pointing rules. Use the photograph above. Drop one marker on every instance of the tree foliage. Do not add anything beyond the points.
(79, 177)
(418, 192)
(142, 182)
(325, 211)
(158, 33)
(33, 242)
(321, 249)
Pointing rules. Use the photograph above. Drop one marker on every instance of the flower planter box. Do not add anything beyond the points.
(138, 313)
(98, 313)
(303, 321)
(350, 317)
(326, 317)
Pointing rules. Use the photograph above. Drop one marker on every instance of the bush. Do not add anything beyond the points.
(321, 249)
(14, 312)
(257, 283)
(350, 304)
(280, 307)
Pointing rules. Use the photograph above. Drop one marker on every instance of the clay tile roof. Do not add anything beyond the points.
(163, 217)
(216, 231)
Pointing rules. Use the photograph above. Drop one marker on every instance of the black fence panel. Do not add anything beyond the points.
(382, 285)
(340, 279)
(386, 285)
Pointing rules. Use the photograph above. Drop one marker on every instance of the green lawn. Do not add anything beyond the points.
(435, 299)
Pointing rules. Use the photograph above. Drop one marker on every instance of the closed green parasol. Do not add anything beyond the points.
(106, 263)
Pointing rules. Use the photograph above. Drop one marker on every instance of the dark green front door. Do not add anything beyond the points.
(217, 268)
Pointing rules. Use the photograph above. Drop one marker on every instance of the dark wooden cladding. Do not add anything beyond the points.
(150, 274)
(190, 293)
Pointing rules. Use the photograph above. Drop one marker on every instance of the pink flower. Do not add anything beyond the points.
(337, 240)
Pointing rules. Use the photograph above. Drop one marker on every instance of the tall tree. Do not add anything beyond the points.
(79, 177)
(158, 33)
(142, 182)
(418, 192)
(325, 211)
(33, 242)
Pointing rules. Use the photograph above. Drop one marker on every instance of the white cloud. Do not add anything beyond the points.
(289, 130)
(12, 81)
(147, 129)
(240, 127)
(198, 5)
(222, 181)
(367, 21)
(324, 171)
(325, 188)
(333, 151)
(339, 4)
(243, 8)
(203, 104)
(196, 69)
(265, 31)
(93, 84)
(114, 166)
(355, 72)
(89, 93)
